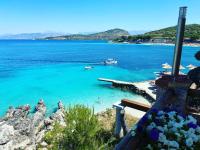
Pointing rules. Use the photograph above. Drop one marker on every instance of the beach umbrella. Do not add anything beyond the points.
(181, 67)
(166, 66)
(190, 66)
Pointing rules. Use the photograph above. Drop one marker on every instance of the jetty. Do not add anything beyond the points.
(147, 89)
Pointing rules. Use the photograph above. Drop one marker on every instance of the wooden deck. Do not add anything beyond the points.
(140, 88)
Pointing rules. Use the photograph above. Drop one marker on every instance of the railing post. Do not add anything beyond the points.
(120, 128)
(179, 41)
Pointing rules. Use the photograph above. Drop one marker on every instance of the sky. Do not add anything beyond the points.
(75, 16)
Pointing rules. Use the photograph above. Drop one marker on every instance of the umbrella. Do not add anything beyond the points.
(181, 67)
(166, 66)
(191, 66)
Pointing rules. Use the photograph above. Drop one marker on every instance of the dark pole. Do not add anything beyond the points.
(179, 41)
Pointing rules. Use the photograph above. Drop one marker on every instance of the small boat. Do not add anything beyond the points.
(110, 61)
(88, 67)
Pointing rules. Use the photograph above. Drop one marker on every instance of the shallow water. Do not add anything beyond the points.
(54, 70)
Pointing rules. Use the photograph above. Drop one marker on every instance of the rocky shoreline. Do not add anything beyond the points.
(20, 130)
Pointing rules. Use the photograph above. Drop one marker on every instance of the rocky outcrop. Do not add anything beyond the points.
(19, 130)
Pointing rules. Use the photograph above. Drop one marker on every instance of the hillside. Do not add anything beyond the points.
(192, 34)
(192, 31)
(106, 35)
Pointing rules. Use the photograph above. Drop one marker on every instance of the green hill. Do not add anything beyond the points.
(106, 35)
(192, 33)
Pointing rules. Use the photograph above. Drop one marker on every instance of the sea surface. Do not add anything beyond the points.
(54, 70)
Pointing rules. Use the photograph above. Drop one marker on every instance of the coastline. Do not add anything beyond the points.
(157, 44)
(22, 130)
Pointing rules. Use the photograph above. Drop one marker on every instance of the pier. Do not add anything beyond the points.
(145, 88)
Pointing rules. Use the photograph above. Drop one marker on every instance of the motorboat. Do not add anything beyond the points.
(110, 61)
(88, 67)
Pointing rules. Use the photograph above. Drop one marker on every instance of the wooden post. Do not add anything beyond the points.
(120, 128)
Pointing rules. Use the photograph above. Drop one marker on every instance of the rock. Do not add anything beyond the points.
(39, 116)
(48, 122)
(6, 134)
(20, 131)
(10, 112)
(20, 141)
(41, 106)
(21, 111)
(59, 115)
(43, 144)
(7, 146)
(24, 126)
(60, 105)
(40, 135)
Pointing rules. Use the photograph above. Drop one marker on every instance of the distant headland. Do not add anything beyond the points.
(105, 35)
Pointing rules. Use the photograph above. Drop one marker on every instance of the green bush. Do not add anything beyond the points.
(83, 132)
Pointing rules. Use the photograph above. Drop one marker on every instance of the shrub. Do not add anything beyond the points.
(83, 131)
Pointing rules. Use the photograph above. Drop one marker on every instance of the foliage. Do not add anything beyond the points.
(168, 130)
(83, 132)
(192, 32)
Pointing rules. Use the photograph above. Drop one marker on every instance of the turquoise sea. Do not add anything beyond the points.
(54, 70)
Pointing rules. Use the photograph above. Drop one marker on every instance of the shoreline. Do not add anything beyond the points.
(159, 44)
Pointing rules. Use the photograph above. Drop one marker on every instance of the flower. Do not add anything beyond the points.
(160, 113)
(189, 142)
(191, 119)
(133, 130)
(198, 129)
(162, 137)
(192, 125)
(149, 147)
(173, 144)
(169, 130)
(154, 134)
(149, 116)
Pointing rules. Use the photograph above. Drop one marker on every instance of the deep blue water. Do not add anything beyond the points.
(53, 70)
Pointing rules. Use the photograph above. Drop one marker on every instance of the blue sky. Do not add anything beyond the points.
(74, 16)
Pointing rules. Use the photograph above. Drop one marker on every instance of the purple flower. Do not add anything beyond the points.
(192, 125)
(154, 134)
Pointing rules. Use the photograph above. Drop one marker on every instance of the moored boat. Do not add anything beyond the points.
(110, 61)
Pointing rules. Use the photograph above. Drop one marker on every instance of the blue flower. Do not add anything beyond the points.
(192, 125)
(154, 134)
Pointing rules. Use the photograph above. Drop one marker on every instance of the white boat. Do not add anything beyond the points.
(110, 61)
(88, 67)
